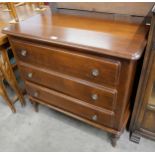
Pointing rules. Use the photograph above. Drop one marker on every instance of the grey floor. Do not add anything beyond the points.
(49, 130)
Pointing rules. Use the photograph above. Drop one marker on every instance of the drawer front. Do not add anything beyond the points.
(70, 104)
(85, 91)
(86, 67)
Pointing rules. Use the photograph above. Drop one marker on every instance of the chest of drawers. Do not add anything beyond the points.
(85, 73)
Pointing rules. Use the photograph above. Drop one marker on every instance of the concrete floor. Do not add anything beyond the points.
(51, 131)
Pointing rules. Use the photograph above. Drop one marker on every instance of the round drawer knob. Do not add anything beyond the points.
(29, 75)
(23, 52)
(95, 72)
(94, 97)
(94, 117)
(36, 94)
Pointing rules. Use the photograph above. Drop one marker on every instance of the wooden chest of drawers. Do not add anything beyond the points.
(85, 73)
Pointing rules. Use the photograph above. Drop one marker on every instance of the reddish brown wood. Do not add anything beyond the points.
(57, 63)
(119, 39)
(86, 91)
(74, 64)
(97, 125)
(70, 104)
(126, 69)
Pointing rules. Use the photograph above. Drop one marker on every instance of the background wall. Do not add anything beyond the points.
(138, 8)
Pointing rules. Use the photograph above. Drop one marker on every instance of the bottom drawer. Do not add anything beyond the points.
(70, 104)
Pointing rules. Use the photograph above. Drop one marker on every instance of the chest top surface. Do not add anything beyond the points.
(113, 38)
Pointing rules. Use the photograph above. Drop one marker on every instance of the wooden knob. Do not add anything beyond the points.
(94, 117)
(30, 75)
(95, 72)
(36, 94)
(23, 52)
(94, 97)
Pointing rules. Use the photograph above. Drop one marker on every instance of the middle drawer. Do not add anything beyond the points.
(83, 90)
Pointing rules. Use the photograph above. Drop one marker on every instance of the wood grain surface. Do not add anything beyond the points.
(118, 39)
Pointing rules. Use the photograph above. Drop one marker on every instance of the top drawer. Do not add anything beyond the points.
(86, 67)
